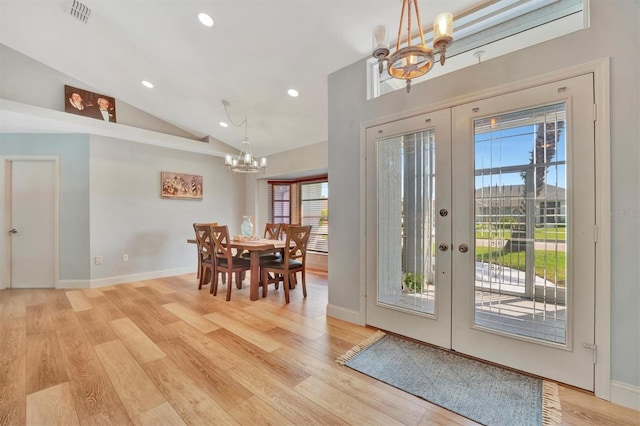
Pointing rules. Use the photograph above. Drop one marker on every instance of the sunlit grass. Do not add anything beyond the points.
(540, 234)
(549, 264)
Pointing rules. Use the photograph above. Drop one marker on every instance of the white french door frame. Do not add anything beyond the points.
(566, 360)
(601, 76)
(5, 213)
(437, 325)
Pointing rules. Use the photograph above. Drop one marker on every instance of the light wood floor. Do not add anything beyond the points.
(162, 352)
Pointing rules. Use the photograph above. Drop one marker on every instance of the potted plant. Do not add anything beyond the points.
(412, 282)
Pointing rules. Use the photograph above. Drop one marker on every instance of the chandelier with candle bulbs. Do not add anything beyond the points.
(413, 61)
(244, 162)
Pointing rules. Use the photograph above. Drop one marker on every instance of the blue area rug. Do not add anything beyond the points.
(481, 392)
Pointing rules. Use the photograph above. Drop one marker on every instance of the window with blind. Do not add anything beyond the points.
(280, 203)
(314, 211)
(306, 202)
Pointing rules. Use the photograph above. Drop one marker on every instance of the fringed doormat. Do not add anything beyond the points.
(483, 393)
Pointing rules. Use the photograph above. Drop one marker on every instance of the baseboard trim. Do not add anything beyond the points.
(345, 314)
(123, 279)
(322, 272)
(625, 394)
(73, 284)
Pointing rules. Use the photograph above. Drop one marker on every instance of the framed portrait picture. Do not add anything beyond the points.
(89, 104)
(180, 185)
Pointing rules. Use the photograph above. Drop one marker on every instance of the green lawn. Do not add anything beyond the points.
(554, 263)
(540, 234)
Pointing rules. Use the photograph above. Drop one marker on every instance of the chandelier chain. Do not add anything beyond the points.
(244, 162)
(242, 123)
(400, 27)
(409, 24)
(415, 5)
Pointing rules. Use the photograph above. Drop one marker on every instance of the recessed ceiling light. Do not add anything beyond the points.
(223, 124)
(206, 20)
(293, 93)
(148, 84)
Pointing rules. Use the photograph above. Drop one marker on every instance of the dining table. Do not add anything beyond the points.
(255, 247)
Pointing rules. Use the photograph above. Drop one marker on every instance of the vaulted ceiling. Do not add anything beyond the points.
(257, 50)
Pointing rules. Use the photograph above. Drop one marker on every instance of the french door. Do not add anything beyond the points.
(408, 225)
(480, 229)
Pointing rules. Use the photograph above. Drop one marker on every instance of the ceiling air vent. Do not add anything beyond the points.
(79, 11)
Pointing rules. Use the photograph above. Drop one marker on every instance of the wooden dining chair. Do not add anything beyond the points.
(272, 231)
(224, 259)
(205, 248)
(283, 230)
(283, 236)
(293, 261)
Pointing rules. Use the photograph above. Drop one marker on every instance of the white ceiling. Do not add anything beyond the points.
(257, 50)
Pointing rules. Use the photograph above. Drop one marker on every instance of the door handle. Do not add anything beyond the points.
(443, 247)
(13, 231)
(463, 248)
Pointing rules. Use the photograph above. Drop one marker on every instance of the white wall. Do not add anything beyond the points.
(110, 205)
(25, 80)
(305, 161)
(310, 160)
(116, 208)
(73, 152)
(613, 33)
(128, 215)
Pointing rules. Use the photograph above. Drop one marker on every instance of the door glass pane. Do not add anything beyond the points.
(406, 222)
(521, 223)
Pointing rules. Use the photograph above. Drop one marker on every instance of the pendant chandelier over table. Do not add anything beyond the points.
(244, 162)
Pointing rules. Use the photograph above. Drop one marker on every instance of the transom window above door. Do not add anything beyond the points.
(495, 29)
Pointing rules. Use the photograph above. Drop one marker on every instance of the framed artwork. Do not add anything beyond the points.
(89, 104)
(180, 185)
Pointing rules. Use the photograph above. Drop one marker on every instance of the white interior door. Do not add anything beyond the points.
(409, 228)
(497, 223)
(32, 189)
(524, 239)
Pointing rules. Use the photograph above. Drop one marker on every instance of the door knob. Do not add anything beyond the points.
(444, 212)
(13, 231)
(463, 248)
(443, 247)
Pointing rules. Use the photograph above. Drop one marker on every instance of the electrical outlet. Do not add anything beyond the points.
(98, 260)
(125, 257)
